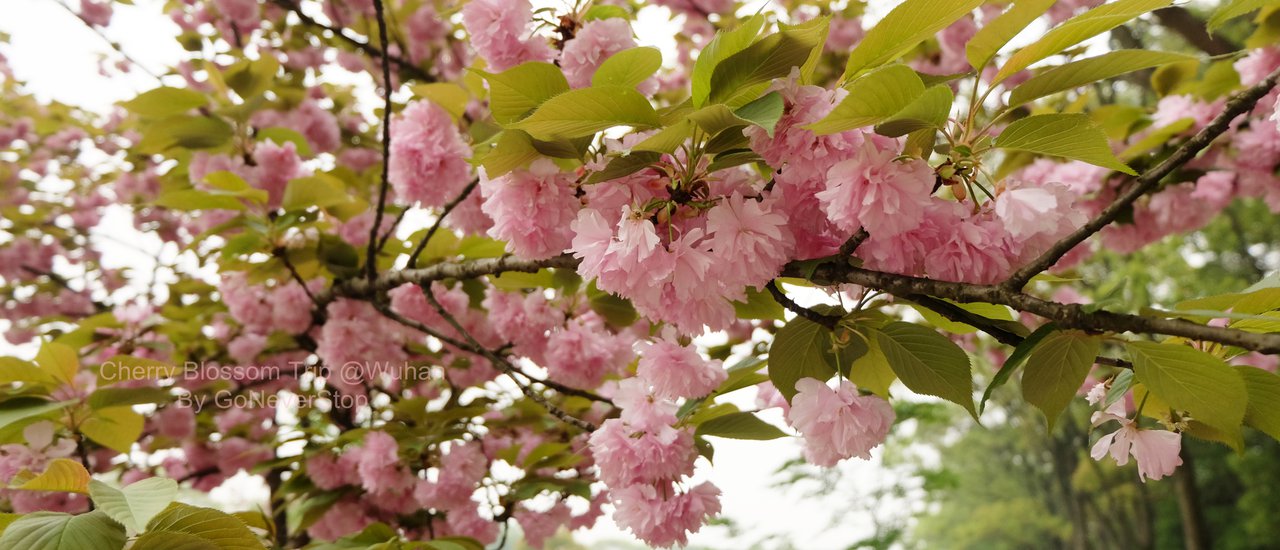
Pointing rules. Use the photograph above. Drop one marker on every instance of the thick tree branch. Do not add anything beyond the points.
(1240, 104)
(1193, 30)
(1002, 335)
(1066, 315)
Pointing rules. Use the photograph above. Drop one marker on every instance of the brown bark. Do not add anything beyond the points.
(1194, 533)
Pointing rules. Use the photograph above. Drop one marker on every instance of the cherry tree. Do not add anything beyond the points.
(434, 267)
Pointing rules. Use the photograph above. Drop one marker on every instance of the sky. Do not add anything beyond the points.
(59, 57)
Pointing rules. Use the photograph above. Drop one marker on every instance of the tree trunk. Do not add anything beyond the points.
(1194, 532)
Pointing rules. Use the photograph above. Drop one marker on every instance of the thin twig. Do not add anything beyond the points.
(823, 319)
(466, 192)
(503, 364)
(118, 49)
(371, 262)
(850, 246)
(404, 64)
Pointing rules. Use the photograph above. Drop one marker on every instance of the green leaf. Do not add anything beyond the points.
(168, 540)
(743, 75)
(1055, 370)
(190, 200)
(1086, 71)
(724, 45)
(1157, 138)
(1120, 385)
(617, 311)
(759, 305)
(585, 111)
(605, 11)
(1070, 136)
(1191, 380)
(909, 24)
(623, 166)
(872, 99)
(872, 371)
(668, 139)
(16, 410)
(1015, 360)
(58, 361)
(929, 111)
(224, 530)
(59, 531)
(203, 132)
(986, 43)
(798, 351)
(320, 190)
(740, 425)
(512, 151)
(1076, 30)
(1233, 9)
(134, 506)
(983, 310)
(250, 78)
(281, 136)
(13, 370)
(628, 68)
(103, 398)
(116, 428)
(449, 96)
(764, 112)
(165, 101)
(1262, 411)
(516, 92)
(927, 362)
(62, 475)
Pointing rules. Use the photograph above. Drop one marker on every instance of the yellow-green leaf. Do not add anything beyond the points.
(909, 24)
(62, 475)
(1191, 380)
(450, 97)
(986, 43)
(165, 101)
(1055, 370)
(1076, 30)
(58, 361)
(516, 92)
(628, 68)
(1086, 71)
(116, 428)
(872, 99)
(585, 111)
(1071, 136)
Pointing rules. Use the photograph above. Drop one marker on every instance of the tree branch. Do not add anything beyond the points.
(1241, 103)
(371, 260)
(466, 192)
(510, 370)
(1193, 30)
(828, 321)
(1066, 315)
(364, 288)
(403, 64)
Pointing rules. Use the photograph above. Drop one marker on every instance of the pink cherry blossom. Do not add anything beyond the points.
(531, 209)
(591, 45)
(743, 228)
(428, 156)
(662, 517)
(500, 33)
(838, 424)
(1156, 451)
(875, 191)
(678, 371)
